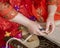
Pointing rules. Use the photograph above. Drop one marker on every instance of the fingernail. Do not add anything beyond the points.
(41, 29)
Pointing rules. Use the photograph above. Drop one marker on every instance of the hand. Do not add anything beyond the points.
(50, 26)
(34, 28)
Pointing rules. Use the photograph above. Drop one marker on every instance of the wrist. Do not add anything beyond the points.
(51, 16)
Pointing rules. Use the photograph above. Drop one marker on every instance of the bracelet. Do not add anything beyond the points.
(5, 8)
(53, 2)
(7, 11)
(11, 14)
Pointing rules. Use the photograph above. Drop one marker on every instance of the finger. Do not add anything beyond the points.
(41, 33)
(44, 32)
(36, 33)
(42, 29)
(52, 28)
(47, 27)
(40, 26)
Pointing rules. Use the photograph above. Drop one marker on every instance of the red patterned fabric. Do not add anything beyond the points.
(25, 5)
(32, 9)
(7, 26)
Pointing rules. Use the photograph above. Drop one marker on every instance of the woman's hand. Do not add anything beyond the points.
(34, 28)
(50, 20)
(50, 25)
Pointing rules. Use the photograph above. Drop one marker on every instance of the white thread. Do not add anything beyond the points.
(28, 38)
(17, 40)
(12, 39)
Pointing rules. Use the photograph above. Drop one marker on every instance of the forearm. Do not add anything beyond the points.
(52, 10)
(21, 19)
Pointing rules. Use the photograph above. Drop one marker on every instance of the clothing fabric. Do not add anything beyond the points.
(32, 9)
(37, 9)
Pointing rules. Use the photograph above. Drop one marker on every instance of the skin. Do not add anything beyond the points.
(50, 20)
(32, 26)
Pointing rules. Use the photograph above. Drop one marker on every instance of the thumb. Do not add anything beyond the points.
(47, 26)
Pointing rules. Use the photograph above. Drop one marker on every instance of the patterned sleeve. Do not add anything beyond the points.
(52, 2)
